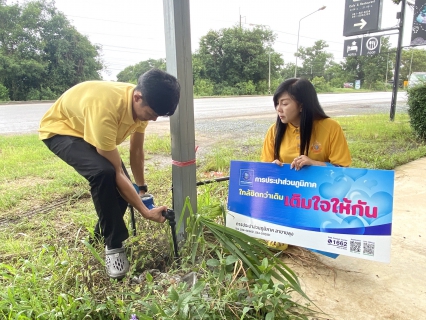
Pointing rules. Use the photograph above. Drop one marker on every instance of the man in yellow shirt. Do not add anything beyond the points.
(85, 126)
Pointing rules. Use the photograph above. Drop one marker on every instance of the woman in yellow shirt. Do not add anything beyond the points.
(303, 134)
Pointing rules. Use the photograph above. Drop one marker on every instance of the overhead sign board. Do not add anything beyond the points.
(366, 46)
(371, 45)
(352, 47)
(418, 32)
(362, 16)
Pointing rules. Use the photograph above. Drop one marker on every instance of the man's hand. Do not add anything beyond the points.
(155, 214)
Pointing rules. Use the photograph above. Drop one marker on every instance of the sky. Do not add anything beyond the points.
(131, 31)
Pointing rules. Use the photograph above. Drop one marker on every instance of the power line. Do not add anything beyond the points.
(121, 36)
(137, 52)
(107, 20)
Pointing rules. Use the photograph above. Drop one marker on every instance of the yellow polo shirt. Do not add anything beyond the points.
(328, 144)
(100, 112)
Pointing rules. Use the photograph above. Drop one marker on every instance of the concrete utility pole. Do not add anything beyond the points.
(397, 62)
(179, 63)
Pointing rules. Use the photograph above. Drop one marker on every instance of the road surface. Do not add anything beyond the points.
(24, 117)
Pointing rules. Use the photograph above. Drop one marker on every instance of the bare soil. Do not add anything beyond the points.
(348, 288)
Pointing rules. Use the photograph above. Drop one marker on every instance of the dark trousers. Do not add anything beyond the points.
(100, 174)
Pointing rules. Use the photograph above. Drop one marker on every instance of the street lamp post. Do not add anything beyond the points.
(298, 32)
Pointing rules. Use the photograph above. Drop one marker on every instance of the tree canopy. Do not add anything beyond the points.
(315, 60)
(237, 57)
(41, 53)
(132, 73)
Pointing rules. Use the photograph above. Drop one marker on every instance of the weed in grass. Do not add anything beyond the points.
(155, 144)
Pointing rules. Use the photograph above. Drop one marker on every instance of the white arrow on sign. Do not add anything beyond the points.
(361, 24)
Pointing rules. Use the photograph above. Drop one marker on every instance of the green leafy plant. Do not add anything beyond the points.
(259, 281)
(417, 109)
(4, 93)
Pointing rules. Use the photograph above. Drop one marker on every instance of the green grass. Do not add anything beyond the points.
(377, 143)
(47, 271)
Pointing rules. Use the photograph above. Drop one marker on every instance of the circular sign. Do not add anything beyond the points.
(372, 43)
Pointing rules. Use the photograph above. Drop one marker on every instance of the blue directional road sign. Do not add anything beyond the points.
(362, 16)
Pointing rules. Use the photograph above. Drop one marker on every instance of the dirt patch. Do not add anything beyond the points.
(347, 288)
(24, 182)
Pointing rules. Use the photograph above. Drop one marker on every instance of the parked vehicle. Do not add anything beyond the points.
(416, 78)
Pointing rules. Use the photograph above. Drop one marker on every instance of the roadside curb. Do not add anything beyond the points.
(26, 102)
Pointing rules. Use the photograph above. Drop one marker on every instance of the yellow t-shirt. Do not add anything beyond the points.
(100, 112)
(328, 144)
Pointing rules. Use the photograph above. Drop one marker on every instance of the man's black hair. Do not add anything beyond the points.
(160, 91)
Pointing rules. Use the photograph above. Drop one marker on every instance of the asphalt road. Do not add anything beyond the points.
(24, 117)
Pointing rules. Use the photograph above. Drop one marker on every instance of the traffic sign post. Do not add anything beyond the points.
(362, 16)
(371, 45)
(352, 48)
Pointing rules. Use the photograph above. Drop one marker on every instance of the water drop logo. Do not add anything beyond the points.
(246, 177)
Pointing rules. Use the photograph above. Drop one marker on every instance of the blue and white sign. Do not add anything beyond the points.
(338, 210)
(357, 84)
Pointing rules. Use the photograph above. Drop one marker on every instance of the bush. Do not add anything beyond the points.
(225, 90)
(321, 85)
(203, 87)
(377, 85)
(42, 94)
(246, 88)
(337, 82)
(417, 109)
(4, 93)
(47, 94)
(33, 94)
(262, 87)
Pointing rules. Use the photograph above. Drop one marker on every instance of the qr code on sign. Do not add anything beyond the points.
(355, 246)
(368, 248)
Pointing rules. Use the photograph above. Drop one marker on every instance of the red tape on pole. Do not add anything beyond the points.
(184, 163)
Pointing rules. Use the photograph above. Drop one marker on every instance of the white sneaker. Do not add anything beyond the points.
(116, 263)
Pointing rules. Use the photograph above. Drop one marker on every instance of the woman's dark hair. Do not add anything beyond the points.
(303, 92)
(160, 91)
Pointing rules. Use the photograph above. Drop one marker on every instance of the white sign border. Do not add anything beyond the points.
(373, 247)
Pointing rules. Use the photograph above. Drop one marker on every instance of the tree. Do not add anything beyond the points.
(233, 57)
(315, 60)
(335, 75)
(132, 73)
(71, 56)
(412, 60)
(41, 53)
(287, 71)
